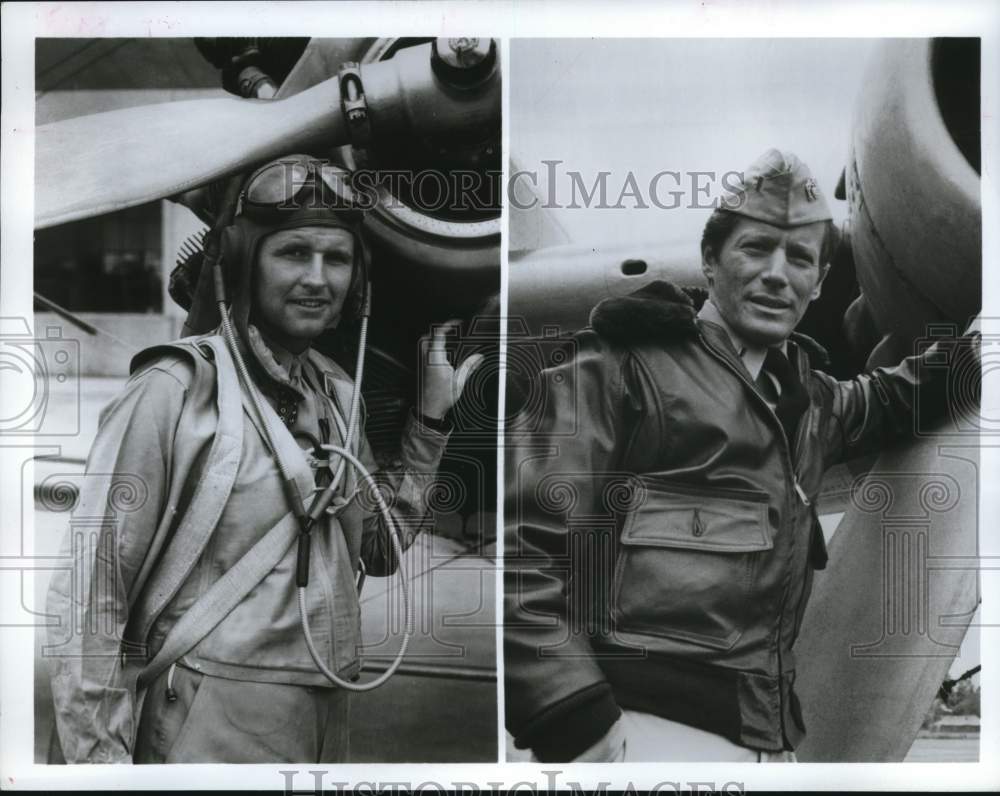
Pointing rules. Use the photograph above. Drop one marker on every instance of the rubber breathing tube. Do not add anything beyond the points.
(323, 498)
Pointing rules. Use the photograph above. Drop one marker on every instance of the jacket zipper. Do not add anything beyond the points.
(798, 490)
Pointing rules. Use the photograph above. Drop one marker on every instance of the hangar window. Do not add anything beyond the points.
(110, 263)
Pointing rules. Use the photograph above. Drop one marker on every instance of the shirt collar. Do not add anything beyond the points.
(280, 363)
(752, 354)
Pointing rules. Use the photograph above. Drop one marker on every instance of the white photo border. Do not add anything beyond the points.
(22, 23)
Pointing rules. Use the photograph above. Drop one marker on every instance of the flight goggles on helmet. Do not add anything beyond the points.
(289, 192)
(296, 184)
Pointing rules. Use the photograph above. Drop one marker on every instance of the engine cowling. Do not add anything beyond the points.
(913, 185)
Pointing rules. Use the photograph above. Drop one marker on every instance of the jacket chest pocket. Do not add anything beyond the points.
(687, 562)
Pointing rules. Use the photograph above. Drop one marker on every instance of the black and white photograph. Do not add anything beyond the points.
(741, 450)
(268, 269)
(531, 396)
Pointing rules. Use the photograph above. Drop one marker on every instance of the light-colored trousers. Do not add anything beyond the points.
(216, 720)
(642, 737)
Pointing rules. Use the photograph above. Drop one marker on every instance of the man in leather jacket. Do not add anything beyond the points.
(661, 531)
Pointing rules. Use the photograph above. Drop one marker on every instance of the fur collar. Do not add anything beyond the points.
(657, 311)
(662, 311)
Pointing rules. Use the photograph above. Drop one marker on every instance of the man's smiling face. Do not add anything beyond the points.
(763, 278)
(302, 278)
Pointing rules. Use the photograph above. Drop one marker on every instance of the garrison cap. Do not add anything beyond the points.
(779, 188)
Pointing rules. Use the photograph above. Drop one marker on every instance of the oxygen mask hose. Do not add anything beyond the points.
(323, 499)
(308, 518)
(397, 550)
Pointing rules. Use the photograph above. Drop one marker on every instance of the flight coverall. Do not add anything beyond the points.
(249, 690)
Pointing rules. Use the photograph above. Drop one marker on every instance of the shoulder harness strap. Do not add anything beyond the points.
(214, 486)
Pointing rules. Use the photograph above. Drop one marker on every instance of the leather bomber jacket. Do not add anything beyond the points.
(661, 534)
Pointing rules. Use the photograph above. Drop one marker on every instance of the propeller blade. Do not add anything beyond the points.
(96, 164)
(891, 609)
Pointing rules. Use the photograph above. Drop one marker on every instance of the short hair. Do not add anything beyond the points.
(721, 224)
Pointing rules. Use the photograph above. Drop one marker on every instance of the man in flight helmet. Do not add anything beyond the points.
(189, 589)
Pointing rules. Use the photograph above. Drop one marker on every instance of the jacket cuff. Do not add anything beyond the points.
(422, 446)
(442, 425)
(572, 726)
